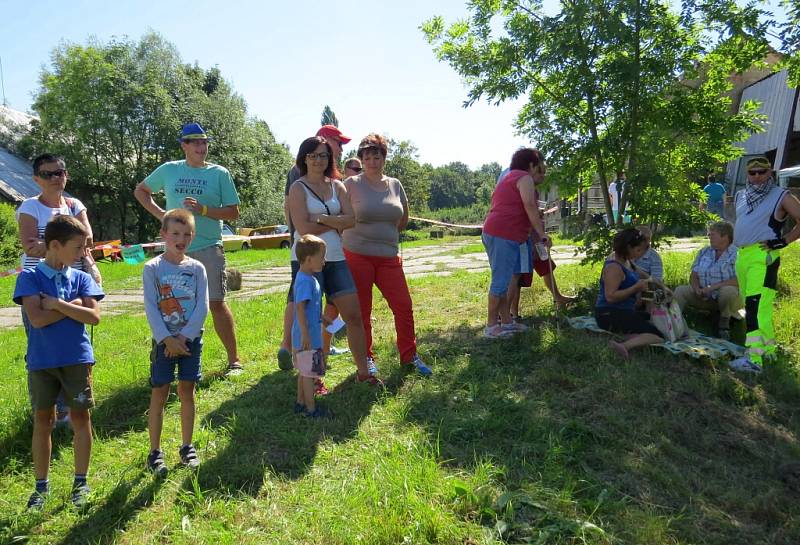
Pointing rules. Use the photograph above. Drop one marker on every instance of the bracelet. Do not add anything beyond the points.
(204, 212)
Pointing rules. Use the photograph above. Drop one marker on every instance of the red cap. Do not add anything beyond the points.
(332, 131)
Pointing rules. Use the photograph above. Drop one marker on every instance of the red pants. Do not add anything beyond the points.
(386, 273)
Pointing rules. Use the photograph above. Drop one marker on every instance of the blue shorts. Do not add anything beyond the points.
(334, 280)
(162, 368)
(503, 261)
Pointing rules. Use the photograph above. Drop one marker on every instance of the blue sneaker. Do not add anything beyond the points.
(420, 366)
(299, 408)
(372, 369)
(745, 365)
(318, 412)
(36, 501)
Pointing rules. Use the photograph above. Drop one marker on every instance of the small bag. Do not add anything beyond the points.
(309, 363)
(668, 319)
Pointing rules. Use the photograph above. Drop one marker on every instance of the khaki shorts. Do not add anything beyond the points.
(213, 259)
(75, 380)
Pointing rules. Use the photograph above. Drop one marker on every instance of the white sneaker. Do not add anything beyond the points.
(514, 327)
(496, 332)
(744, 365)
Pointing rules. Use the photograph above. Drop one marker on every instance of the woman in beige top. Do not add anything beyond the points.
(371, 248)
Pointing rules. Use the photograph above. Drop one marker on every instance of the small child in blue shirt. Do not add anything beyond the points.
(59, 301)
(176, 305)
(307, 355)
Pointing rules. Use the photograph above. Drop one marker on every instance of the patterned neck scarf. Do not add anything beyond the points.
(757, 193)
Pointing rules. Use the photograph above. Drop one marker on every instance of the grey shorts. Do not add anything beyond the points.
(213, 259)
(75, 380)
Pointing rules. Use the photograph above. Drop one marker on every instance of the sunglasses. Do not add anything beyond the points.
(324, 156)
(47, 174)
(758, 172)
(354, 169)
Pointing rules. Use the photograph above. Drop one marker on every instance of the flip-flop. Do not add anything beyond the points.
(234, 368)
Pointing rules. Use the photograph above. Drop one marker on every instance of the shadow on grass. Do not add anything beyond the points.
(122, 412)
(104, 522)
(660, 436)
(265, 435)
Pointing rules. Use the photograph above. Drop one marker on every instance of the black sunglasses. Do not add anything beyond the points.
(47, 174)
(757, 172)
(355, 169)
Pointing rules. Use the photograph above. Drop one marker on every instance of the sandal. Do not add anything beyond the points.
(234, 368)
(368, 379)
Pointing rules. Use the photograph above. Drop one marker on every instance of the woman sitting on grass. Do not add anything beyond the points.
(620, 282)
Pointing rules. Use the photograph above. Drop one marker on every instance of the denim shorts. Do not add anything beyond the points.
(334, 280)
(162, 368)
(503, 261)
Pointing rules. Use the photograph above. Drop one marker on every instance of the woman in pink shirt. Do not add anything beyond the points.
(513, 213)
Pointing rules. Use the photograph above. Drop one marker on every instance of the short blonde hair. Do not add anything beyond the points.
(307, 246)
(722, 228)
(178, 215)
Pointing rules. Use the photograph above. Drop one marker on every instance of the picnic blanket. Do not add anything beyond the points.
(695, 344)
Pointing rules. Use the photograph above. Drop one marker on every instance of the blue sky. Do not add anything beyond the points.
(368, 61)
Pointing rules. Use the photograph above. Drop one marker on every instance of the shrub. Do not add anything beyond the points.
(10, 248)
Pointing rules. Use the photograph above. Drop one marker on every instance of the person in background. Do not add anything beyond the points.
(620, 283)
(336, 140)
(352, 167)
(51, 175)
(715, 193)
(712, 282)
(513, 216)
(616, 189)
(372, 249)
(762, 208)
(650, 262)
(207, 190)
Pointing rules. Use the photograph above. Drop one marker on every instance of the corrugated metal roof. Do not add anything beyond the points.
(776, 99)
(16, 182)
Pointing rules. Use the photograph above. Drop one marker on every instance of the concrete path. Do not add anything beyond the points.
(439, 260)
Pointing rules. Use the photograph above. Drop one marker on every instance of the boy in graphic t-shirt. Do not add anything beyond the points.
(176, 305)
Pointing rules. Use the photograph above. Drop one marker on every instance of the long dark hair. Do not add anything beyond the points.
(626, 240)
(308, 146)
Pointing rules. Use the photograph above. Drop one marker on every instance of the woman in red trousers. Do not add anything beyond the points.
(371, 248)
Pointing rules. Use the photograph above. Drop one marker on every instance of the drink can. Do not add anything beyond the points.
(541, 251)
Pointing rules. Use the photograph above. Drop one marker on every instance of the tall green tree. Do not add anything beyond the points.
(452, 186)
(114, 110)
(605, 84)
(328, 117)
(402, 163)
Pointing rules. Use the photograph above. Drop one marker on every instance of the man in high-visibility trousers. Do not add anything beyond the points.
(761, 210)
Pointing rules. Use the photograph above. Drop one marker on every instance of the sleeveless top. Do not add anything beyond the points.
(43, 214)
(760, 224)
(630, 279)
(332, 238)
(507, 218)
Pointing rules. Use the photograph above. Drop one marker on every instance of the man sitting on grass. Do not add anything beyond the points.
(58, 301)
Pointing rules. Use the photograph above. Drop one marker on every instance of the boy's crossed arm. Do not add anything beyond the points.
(43, 310)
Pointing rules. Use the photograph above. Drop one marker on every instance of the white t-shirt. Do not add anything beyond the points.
(612, 192)
(43, 214)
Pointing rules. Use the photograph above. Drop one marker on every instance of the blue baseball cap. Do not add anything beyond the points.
(193, 131)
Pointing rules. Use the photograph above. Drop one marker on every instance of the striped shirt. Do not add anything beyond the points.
(712, 270)
(650, 263)
(43, 214)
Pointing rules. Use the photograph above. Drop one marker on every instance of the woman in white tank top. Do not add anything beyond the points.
(318, 196)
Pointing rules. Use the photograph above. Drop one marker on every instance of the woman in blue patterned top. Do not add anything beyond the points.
(620, 283)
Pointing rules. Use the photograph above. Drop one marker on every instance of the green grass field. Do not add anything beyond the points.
(543, 438)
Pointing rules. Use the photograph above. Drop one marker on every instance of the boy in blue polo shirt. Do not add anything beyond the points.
(59, 300)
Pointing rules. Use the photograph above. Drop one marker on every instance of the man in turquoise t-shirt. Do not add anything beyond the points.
(715, 192)
(208, 191)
